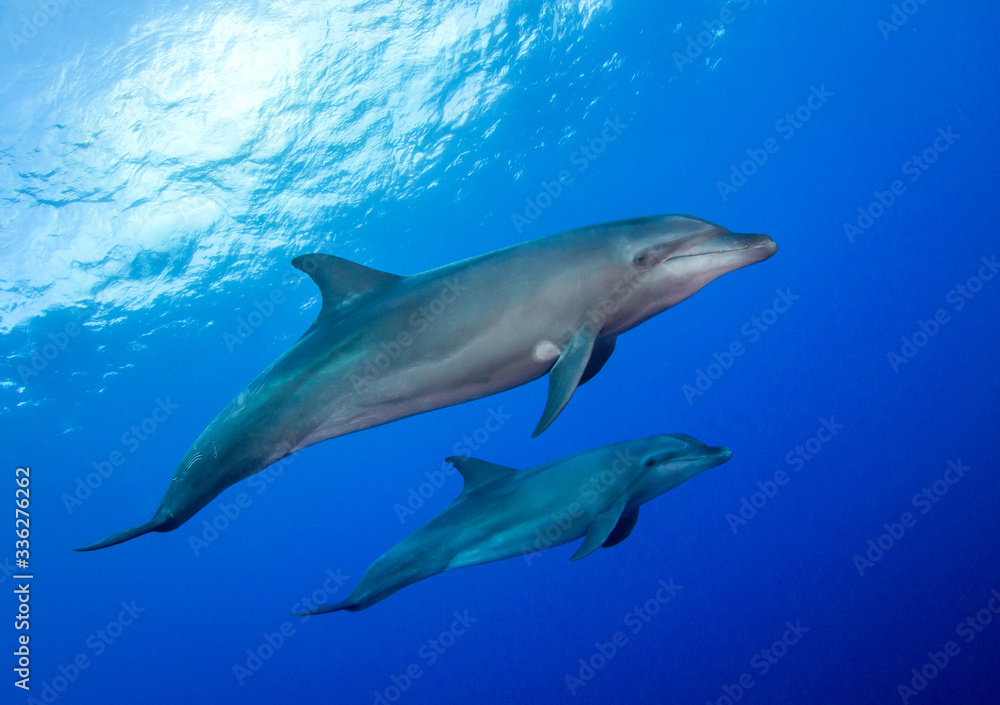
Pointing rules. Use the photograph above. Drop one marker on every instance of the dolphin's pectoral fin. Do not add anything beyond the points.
(564, 377)
(599, 529)
(623, 529)
(477, 472)
(340, 281)
(602, 351)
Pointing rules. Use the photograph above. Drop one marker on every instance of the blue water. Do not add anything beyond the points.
(162, 163)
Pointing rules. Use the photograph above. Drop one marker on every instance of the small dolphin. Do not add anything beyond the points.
(503, 513)
(385, 347)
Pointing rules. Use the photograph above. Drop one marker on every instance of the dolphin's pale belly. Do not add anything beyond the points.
(523, 539)
(357, 394)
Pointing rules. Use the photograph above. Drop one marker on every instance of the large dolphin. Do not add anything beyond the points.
(385, 347)
(503, 513)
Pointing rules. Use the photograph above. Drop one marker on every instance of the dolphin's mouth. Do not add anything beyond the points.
(764, 243)
(720, 454)
(754, 242)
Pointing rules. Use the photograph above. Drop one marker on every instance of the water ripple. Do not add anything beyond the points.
(205, 141)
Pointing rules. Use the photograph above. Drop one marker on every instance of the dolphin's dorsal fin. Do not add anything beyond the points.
(477, 472)
(599, 529)
(340, 281)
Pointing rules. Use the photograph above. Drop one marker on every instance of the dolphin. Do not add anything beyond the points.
(384, 347)
(502, 512)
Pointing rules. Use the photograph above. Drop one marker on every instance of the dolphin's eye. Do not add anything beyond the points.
(649, 462)
(640, 260)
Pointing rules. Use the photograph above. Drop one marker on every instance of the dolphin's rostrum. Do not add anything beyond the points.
(385, 347)
(503, 513)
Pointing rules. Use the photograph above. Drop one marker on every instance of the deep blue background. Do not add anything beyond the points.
(333, 507)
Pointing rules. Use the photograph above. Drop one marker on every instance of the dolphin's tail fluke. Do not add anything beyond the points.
(348, 604)
(154, 524)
